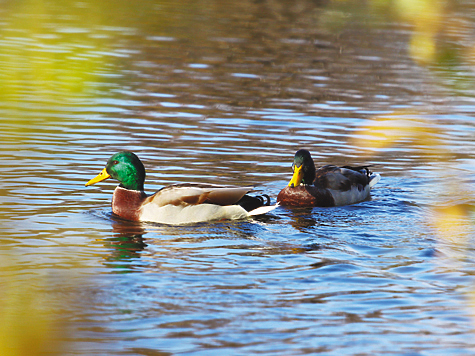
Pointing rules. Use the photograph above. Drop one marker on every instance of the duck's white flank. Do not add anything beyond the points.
(354, 195)
(178, 215)
(347, 197)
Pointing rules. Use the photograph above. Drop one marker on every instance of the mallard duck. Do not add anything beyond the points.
(327, 186)
(177, 203)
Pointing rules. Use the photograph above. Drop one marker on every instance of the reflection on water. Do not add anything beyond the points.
(126, 244)
(225, 92)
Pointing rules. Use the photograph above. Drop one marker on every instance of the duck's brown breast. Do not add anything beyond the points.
(128, 203)
(305, 195)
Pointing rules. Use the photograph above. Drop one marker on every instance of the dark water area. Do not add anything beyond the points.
(225, 92)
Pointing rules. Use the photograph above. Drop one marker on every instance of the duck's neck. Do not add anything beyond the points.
(127, 203)
(309, 173)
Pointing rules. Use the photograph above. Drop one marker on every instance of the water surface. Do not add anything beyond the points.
(225, 92)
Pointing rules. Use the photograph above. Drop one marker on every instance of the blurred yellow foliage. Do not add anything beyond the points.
(425, 15)
(422, 47)
(28, 326)
(427, 19)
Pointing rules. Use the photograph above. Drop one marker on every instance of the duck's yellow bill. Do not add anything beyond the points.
(297, 177)
(99, 178)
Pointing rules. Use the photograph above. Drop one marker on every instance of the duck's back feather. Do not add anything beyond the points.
(194, 194)
(341, 178)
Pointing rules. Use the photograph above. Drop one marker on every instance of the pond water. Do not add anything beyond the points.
(225, 92)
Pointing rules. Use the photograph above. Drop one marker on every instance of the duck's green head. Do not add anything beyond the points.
(126, 167)
(304, 169)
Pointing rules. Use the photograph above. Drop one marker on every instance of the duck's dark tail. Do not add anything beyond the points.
(373, 178)
(250, 203)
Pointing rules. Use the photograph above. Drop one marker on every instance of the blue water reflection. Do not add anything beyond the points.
(225, 93)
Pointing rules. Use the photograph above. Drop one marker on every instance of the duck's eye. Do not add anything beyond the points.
(115, 162)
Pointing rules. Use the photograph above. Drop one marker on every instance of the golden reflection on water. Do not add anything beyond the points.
(426, 138)
(50, 52)
(406, 128)
(450, 213)
(438, 30)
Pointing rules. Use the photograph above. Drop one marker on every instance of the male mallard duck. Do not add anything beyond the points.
(327, 186)
(177, 203)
